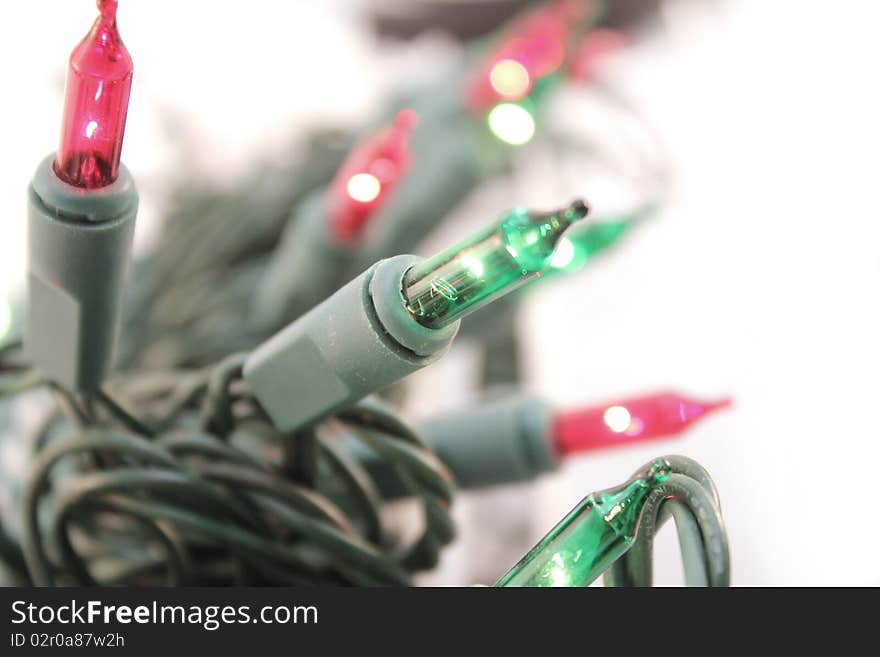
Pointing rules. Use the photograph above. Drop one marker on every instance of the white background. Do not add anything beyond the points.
(759, 279)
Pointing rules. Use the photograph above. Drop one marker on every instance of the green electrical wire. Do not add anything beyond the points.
(188, 483)
(612, 532)
(12, 557)
(690, 497)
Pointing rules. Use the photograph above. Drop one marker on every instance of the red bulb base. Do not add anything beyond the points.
(95, 105)
(628, 421)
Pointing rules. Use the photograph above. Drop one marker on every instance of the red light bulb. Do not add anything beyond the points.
(531, 49)
(368, 177)
(95, 105)
(627, 421)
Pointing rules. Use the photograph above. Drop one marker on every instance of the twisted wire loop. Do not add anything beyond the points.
(194, 485)
(689, 497)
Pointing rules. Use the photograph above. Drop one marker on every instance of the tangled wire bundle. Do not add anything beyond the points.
(197, 487)
(175, 475)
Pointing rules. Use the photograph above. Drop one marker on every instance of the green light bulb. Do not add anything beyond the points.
(512, 123)
(582, 244)
(489, 264)
(595, 534)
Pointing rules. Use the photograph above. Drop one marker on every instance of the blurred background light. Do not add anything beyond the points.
(510, 78)
(512, 123)
(364, 187)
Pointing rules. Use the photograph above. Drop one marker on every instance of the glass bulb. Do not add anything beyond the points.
(531, 49)
(510, 79)
(595, 238)
(491, 263)
(95, 105)
(595, 534)
(368, 177)
(629, 420)
(583, 243)
(512, 123)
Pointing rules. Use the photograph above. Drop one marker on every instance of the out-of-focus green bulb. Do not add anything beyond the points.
(512, 123)
(595, 534)
(581, 244)
(576, 250)
(491, 263)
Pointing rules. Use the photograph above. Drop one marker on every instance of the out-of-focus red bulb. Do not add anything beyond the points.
(95, 105)
(368, 177)
(532, 48)
(627, 421)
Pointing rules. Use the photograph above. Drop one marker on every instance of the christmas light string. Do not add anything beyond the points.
(153, 481)
(202, 273)
(134, 468)
(145, 495)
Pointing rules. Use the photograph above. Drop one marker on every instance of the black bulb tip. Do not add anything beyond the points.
(579, 208)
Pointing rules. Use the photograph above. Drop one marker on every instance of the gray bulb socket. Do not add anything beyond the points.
(79, 246)
(504, 440)
(357, 342)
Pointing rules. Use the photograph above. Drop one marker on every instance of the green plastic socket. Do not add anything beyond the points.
(79, 246)
(355, 343)
(504, 439)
